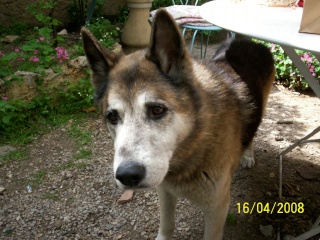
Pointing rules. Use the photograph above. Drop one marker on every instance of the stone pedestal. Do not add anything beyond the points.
(137, 30)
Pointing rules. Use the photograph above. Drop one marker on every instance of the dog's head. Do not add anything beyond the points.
(146, 101)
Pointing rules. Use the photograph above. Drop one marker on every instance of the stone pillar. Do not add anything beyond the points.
(137, 30)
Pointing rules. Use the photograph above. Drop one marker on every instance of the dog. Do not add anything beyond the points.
(180, 125)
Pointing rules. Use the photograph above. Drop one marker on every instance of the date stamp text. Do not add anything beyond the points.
(270, 208)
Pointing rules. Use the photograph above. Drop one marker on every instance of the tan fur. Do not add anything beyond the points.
(267, 89)
(210, 100)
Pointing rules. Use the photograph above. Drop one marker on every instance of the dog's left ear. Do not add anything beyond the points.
(167, 48)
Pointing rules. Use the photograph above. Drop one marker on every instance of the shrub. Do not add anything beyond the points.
(34, 56)
(42, 50)
(106, 33)
(286, 73)
(161, 3)
(79, 8)
(15, 29)
(16, 115)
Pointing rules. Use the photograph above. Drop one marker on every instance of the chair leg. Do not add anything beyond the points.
(231, 35)
(183, 32)
(192, 42)
(205, 51)
(201, 44)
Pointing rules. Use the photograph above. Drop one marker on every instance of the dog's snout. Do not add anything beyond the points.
(130, 174)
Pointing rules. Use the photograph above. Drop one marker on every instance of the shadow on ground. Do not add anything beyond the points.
(77, 197)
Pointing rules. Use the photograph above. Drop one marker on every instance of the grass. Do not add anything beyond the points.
(23, 135)
(37, 178)
(67, 165)
(18, 28)
(72, 164)
(8, 231)
(81, 165)
(80, 136)
(82, 139)
(52, 109)
(231, 219)
(76, 132)
(15, 155)
(51, 196)
(22, 121)
(83, 154)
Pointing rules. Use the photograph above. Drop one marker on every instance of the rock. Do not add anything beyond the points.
(308, 174)
(117, 48)
(285, 122)
(67, 175)
(9, 174)
(2, 190)
(279, 138)
(266, 230)
(9, 38)
(58, 224)
(108, 227)
(63, 32)
(26, 89)
(4, 149)
(79, 62)
(288, 237)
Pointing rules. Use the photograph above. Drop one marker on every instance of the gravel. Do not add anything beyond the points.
(79, 201)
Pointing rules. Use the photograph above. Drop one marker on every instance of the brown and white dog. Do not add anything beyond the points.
(180, 125)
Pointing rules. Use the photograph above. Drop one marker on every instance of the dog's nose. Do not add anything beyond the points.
(130, 174)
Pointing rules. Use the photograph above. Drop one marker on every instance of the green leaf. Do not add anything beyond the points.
(6, 119)
(48, 58)
(55, 22)
(57, 69)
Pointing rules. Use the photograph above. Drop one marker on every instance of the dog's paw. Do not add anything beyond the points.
(247, 159)
(161, 237)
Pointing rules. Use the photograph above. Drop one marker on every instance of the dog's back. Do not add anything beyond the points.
(255, 65)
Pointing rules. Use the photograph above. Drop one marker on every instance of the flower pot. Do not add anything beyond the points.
(137, 29)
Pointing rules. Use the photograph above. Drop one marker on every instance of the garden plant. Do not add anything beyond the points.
(43, 49)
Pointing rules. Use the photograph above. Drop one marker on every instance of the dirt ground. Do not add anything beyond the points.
(77, 198)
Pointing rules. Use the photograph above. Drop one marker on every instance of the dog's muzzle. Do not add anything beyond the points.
(130, 174)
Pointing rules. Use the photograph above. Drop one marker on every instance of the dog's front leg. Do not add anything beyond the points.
(215, 216)
(168, 204)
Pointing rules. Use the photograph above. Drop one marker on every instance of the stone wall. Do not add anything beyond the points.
(13, 11)
(26, 88)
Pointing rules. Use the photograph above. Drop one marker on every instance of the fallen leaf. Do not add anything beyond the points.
(126, 197)
(90, 109)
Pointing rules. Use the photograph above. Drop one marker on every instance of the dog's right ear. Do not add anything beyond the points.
(100, 60)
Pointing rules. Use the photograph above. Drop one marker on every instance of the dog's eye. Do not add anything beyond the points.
(113, 117)
(156, 111)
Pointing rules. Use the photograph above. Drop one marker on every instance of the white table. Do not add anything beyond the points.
(274, 24)
(277, 25)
